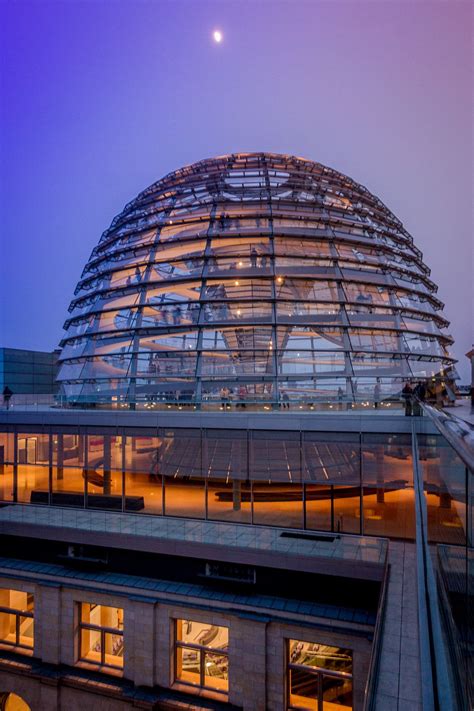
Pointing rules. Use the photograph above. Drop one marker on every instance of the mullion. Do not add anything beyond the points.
(202, 655)
(103, 631)
(319, 673)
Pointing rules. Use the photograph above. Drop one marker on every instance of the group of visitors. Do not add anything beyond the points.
(414, 395)
(254, 259)
(227, 396)
(174, 315)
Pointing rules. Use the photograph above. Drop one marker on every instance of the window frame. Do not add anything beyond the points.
(102, 630)
(18, 614)
(318, 672)
(202, 649)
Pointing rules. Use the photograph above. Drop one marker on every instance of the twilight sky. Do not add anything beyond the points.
(102, 98)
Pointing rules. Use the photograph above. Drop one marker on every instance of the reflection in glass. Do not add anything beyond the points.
(387, 474)
(337, 693)
(304, 689)
(201, 655)
(17, 618)
(319, 676)
(101, 635)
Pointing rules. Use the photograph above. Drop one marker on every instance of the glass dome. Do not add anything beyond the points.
(252, 279)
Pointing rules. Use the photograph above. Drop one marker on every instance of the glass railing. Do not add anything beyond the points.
(211, 402)
(444, 475)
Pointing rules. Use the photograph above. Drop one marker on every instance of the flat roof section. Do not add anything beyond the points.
(173, 592)
(358, 557)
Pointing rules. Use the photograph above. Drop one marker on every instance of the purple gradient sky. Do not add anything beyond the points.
(100, 99)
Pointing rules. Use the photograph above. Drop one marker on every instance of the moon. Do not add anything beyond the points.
(217, 35)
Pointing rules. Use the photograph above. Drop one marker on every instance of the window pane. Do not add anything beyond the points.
(188, 665)
(387, 471)
(16, 600)
(347, 508)
(7, 628)
(303, 689)
(91, 646)
(143, 492)
(185, 497)
(6, 482)
(276, 504)
(33, 448)
(202, 633)
(26, 632)
(104, 489)
(102, 615)
(228, 500)
(216, 667)
(68, 486)
(113, 650)
(320, 655)
(33, 474)
(337, 694)
(318, 507)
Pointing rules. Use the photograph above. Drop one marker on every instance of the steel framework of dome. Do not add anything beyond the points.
(252, 278)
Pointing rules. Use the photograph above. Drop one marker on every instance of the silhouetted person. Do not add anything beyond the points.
(420, 391)
(194, 309)
(431, 393)
(376, 395)
(242, 394)
(340, 396)
(253, 257)
(263, 261)
(225, 398)
(7, 396)
(418, 396)
(407, 394)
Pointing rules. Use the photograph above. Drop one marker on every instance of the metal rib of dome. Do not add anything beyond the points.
(257, 279)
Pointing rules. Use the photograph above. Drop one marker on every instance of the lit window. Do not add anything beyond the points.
(101, 635)
(319, 677)
(16, 618)
(202, 655)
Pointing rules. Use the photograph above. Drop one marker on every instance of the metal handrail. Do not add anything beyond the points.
(458, 433)
(437, 688)
(371, 681)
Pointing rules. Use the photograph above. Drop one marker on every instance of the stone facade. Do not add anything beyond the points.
(257, 651)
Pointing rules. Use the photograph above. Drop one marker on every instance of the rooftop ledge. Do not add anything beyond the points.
(384, 421)
(342, 555)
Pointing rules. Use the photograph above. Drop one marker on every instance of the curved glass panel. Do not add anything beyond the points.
(252, 280)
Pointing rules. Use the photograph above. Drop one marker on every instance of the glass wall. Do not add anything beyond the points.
(387, 472)
(32, 465)
(444, 478)
(330, 481)
(142, 472)
(68, 470)
(447, 465)
(275, 470)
